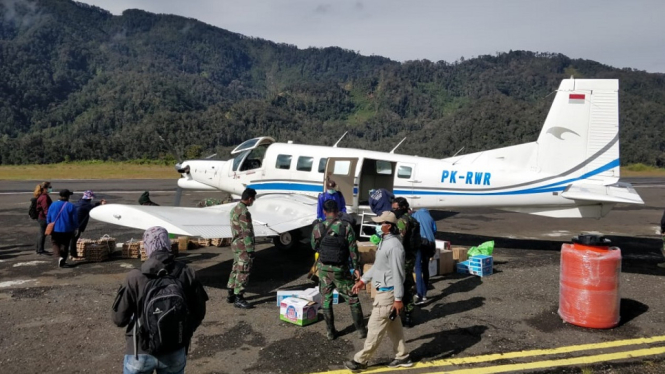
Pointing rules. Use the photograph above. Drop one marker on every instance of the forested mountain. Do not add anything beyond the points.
(78, 83)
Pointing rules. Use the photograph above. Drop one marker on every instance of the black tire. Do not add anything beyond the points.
(287, 241)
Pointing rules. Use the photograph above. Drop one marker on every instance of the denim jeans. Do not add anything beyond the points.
(172, 363)
(422, 274)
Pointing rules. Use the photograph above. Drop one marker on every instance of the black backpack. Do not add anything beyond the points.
(32, 211)
(332, 248)
(164, 323)
(413, 236)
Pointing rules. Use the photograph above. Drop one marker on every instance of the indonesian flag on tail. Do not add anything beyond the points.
(576, 98)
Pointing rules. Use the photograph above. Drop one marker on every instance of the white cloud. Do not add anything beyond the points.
(612, 32)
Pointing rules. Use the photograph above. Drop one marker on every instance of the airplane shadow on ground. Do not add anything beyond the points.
(640, 255)
(271, 270)
(446, 343)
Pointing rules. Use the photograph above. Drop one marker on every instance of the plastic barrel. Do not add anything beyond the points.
(589, 285)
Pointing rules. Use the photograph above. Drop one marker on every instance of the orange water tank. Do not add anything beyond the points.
(589, 283)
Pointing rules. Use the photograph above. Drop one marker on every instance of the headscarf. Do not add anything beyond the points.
(156, 239)
(88, 195)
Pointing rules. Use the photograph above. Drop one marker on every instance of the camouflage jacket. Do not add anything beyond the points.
(242, 228)
(404, 223)
(320, 230)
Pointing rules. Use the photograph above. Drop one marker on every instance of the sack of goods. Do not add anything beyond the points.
(131, 249)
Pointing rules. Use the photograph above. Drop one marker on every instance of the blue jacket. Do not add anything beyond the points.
(381, 200)
(323, 197)
(68, 220)
(427, 224)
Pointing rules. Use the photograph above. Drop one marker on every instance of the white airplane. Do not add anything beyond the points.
(572, 170)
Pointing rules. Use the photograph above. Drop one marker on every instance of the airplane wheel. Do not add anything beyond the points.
(287, 241)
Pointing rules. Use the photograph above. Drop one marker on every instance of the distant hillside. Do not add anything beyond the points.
(78, 83)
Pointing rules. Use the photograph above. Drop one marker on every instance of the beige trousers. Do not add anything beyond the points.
(378, 325)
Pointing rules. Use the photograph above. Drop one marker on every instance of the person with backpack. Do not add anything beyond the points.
(409, 233)
(427, 250)
(83, 207)
(144, 199)
(330, 194)
(63, 219)
(335, 242)
(161, 305)
(39, 205)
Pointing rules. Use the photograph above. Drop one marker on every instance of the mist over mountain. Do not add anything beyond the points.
(77, 83)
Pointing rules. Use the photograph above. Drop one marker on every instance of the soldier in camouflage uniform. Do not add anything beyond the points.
(404, 224)
(335, 241)
(243, 249)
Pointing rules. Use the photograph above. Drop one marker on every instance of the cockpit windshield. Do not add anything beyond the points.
(250, 159)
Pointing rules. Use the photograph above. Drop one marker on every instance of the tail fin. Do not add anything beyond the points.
(581, 132)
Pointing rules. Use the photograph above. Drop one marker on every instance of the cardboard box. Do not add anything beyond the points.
(281, 295)
(442, 244)
(446, 262)
(481, 261)
(183, 243)
(480, 271)
(368, 287)
(312, 294)
(367, 252)
(460, 253)
(298, 311)
(463, 267)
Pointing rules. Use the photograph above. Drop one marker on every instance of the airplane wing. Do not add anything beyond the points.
(271, 215)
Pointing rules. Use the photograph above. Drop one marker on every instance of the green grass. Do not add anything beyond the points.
(93, 169)
(641, 170)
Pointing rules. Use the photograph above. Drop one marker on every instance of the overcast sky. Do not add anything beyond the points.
(629, 33)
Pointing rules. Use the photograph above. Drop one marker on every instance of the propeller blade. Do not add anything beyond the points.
(178, 196)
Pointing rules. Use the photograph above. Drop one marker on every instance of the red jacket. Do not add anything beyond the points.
(43, 203)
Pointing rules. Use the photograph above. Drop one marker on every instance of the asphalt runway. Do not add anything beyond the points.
(63, 314)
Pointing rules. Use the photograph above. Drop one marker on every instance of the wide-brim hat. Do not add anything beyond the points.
(386, 217)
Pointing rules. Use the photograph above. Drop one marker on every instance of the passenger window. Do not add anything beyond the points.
(342, 167)
(283, 162)
(383, 167)
(404, 172)
(304, 163)
(322, 165)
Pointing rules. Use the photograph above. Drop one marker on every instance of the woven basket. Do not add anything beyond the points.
(81, 245)
(221, 242)
(97, 252)
(131, 249)
(174, 249)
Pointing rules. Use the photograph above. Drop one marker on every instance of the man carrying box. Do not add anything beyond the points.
(335, 242)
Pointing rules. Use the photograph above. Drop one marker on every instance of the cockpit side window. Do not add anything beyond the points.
(322, 165)
(238, 159)
(255, 158)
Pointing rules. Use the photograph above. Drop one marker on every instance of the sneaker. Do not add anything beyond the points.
(62, 263)
(403, 363)
(420, 300)
(355, 366)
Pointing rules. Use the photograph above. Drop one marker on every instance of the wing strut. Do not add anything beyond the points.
(340, 139)
(398, 144)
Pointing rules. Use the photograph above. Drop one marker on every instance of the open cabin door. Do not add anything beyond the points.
(343, 171)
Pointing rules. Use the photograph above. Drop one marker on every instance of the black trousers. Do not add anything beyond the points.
(60, 241)
(41, 237)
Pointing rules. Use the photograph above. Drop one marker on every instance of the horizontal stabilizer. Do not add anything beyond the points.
(271, 216)
(616, 193)
(584, 211)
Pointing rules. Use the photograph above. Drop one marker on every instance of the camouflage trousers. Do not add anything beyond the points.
(242, 266)
(331, 277)
(409, 284)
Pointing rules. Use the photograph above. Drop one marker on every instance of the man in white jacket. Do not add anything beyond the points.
(387, 276)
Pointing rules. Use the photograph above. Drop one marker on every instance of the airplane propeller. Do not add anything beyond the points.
(178, 167)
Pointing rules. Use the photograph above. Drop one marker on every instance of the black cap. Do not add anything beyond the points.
(66, 193)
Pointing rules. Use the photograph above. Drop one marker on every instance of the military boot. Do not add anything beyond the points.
(359, 322)
(231, 298)
(242, 303)
(408, 320)
(330, 323)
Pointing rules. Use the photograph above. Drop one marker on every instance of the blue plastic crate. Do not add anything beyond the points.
(481, 260)
(463, 267)
(481, 271)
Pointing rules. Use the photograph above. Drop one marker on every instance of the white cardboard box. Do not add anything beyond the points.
(298, 311)
(281, 295)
